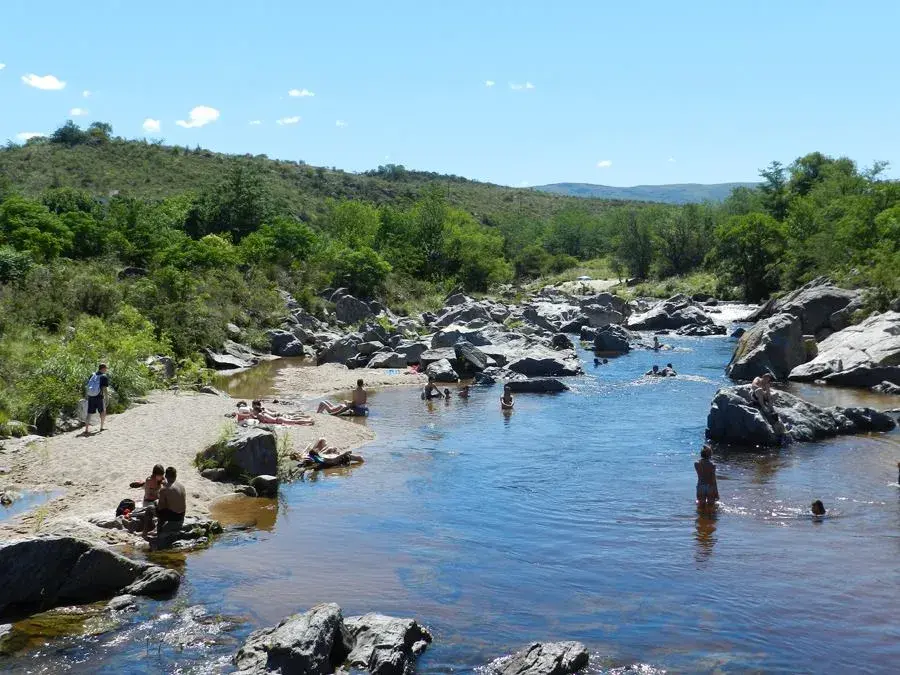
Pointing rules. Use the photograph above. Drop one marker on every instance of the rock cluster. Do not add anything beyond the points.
(47, 572)
(736, 419)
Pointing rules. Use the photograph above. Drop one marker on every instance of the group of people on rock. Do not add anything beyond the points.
(165, 500)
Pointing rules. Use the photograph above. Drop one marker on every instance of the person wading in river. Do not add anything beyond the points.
(707, 487)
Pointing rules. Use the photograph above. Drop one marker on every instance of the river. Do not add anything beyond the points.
(570, 518)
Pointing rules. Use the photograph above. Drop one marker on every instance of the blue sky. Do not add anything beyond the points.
(619, 93)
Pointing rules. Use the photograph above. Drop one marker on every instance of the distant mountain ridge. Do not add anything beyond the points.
(676, 193)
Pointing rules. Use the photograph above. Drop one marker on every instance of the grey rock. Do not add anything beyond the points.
(887, 388)
(542, 362)
(612, 339)
(312, 643)
(161, 366)
(814, 303)
(374, 332)
(47, 572)
(738, 332)
(385, 645)
(862, 355)
(340, 350)
(412, 351)
(369, 348)
(245, 490)
(561, 341)
(458, 299)
(284, 343)
(212, 391)
(468, 354)
(574, 326)
(217, 475)
(499, 313)
(434, 355)
(449, 336)
(461, 314)
(240, 351)
(122, 603)
(218, 361)
(599, 316)
(587, 334)
(350, 310)
(499, 353)
(773, 345)
(605, 300)
(547, 658)
(233, 330)
(537, 385)
(442, 371)
(265, 485)
(388, 360)
(705, 330)
(734, 418)
(252, 451)
(670, 314)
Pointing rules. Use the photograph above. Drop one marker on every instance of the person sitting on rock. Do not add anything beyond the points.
(707, 486)
(356, 406)
(655, 372)
(761, 392)
(172, 503)
(431, 390)
(152, 485)
(506, 401)
(818, 508)
(669, 371)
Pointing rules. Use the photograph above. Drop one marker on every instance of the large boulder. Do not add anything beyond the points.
(457, 299)
(42, 573)
(311, 643)
(350, 310)
(561, 341)
(340, 350)
(284, 343)
(861, 356)
(612, 339)
(411, 351)
(599, 316)
(430, 356)
(814, 304)
(538, 361)
(544, 658)
(605, 300)
(537, 385)
(461, 314)
(384, 645)
(468, 354)
(550, 315)
(252, 451)
(442, 371)
(450, 335)
(218, 361)
(670, 314)
(387, 360)
(705, 330)
(734, 418)
(773, 345)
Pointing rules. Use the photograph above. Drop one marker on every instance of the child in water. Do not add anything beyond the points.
(707, 486)
(818, 508)
(506, 401)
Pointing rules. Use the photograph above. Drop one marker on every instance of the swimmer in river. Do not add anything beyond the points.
(707, 486)
(655, 372)
(669, 371)
(431, 390)
(818, 508)
(464, 392)
(506, 401)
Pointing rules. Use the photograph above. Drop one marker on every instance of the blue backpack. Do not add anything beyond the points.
(93, 385)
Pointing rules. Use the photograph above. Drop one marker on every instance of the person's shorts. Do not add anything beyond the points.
(169, 516)
(704, 490)
(359, 410)
(96, 404)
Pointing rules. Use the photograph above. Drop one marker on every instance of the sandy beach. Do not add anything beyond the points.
(90, 475)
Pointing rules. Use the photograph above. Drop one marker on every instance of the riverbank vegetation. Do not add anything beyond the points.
(118, 250)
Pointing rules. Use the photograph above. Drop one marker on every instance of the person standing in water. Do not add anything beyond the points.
(707, 486)
(506, 401)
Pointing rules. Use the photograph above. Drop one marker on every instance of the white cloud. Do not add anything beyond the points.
(25, 135)
(300, 92)
(288, 120)
(86, 93)
(152, 126)
(254, 123)
(340, 123)
(519, 87)
(78, 112)
(671, 160)
(489, 83)
(48, 82)
(199, 117)
(604, 164)
(2, 66)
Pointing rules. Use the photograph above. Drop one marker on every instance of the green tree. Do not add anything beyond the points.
(88, 236)
(775, 195)
(353, 223)
(361, 270)
(238, 206)
(29, 226)
(635, 244)
(748, 249)
(475, 252)
(429, 215)
(283, 241)
(69, 134)
(68, 199)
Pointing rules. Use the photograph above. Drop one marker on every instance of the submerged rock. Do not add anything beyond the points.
(544, 658)
(265, 485)
(537, 385)
(705, 330)
(734, 418)
(42, 573)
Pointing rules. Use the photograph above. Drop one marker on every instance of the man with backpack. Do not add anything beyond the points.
(96, 392)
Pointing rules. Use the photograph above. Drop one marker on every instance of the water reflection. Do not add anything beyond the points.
(705, 533)
(240, 511)
(259, 381)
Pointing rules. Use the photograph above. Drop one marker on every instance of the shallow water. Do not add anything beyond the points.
(570, 518)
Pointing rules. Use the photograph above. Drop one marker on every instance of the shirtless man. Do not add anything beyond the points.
(358, 405)
(761, 391)
(431, 390)
(707, 487)
(172, 503)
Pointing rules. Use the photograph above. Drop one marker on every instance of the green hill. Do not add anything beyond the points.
(153, 171)
(677, 193)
